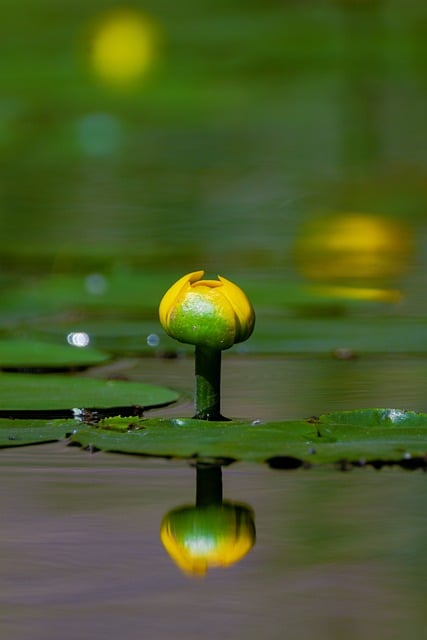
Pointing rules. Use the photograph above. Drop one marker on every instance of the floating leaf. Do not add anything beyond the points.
(357, 437)
(372, 436)
(19, 392)
(368, 418)
(191, 438)
(15, 433)
(31, 354)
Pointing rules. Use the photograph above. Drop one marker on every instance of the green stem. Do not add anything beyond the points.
(209, 485)
(208, 384)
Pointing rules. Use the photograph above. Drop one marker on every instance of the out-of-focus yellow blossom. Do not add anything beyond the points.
(210, 313)
(200, 538)
(123, 47)
(354, 255)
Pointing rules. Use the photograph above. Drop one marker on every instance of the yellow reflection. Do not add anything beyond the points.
(359, 293)
(200, 538)
(210, 534)
(354, 255)
(123, 47)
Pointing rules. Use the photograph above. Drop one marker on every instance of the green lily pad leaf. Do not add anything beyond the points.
(33, 354)
(192, 438)
(20, 392)
(376, 418)
(16, 433)
(373, 435)
(357, 437)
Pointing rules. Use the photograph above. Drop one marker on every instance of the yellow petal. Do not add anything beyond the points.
(168, 300)
(243, 309)
(181, 557)
(207, 283)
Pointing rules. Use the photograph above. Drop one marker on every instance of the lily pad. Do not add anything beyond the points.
(358, 437)
(29, 392)
(15, 433)
(18, 353)
(192, 438)
(374, 418)
(371, 436)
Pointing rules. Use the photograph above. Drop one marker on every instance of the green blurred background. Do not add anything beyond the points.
(249, 119)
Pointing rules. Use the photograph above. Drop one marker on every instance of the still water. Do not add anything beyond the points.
(336, 554)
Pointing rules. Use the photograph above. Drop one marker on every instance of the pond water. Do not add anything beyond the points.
(247, 147)
(335, 554)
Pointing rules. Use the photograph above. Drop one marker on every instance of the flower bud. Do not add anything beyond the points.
(210, 313)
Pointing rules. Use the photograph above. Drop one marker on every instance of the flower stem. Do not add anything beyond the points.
(208, 384)
(209, 485)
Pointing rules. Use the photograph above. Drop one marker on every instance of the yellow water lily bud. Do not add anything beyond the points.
(199, 538)
(209, 313)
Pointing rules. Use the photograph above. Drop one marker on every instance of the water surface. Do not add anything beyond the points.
(336, 554)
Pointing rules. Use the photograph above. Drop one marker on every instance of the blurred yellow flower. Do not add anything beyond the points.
(123, 47)
(355, 255)
(211, 313)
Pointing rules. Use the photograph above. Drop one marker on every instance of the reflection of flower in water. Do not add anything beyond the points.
(210, 534)
(354, 253)
(198, 538)
(123, 47)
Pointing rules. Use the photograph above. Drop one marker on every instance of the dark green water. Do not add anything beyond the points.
(258, 118)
